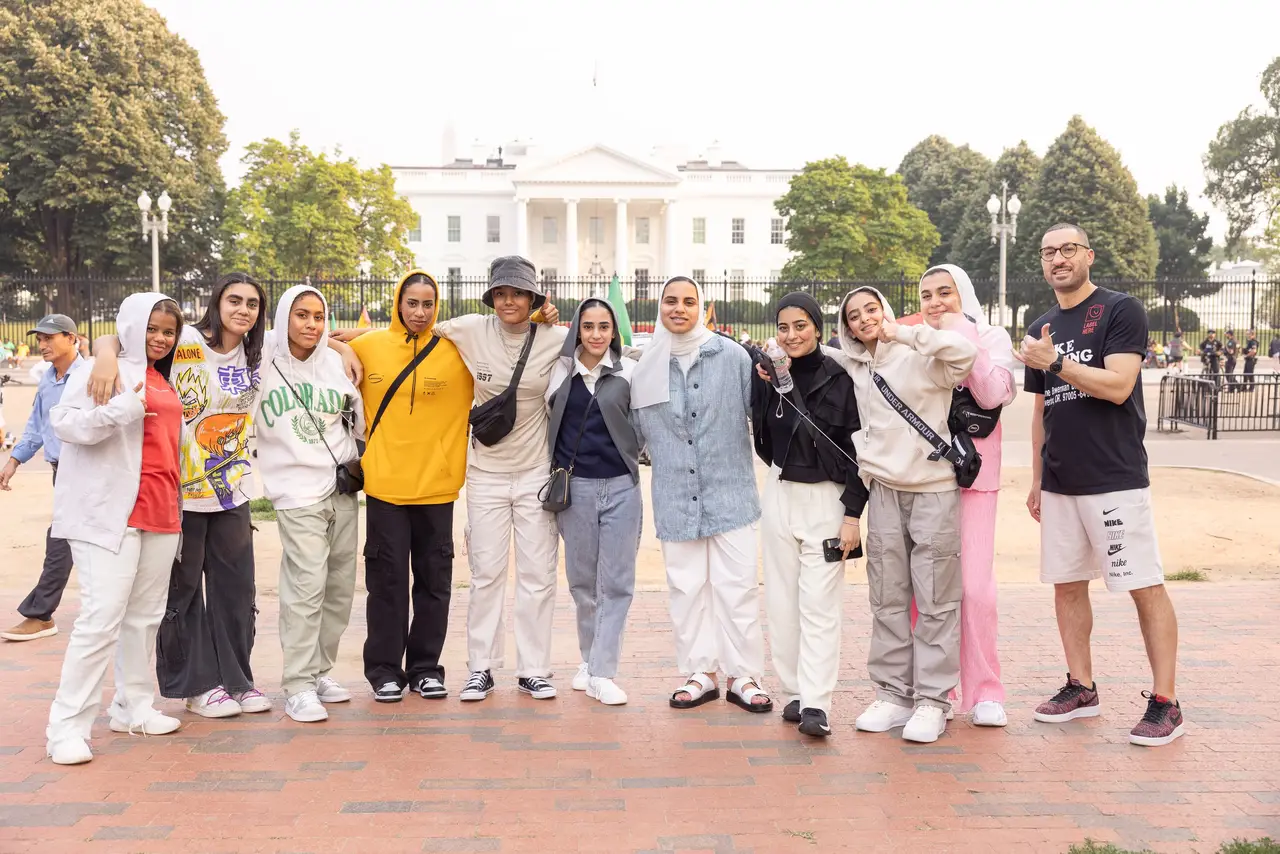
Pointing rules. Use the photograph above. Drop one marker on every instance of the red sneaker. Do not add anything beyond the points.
(1073, 701)
(1160, 725)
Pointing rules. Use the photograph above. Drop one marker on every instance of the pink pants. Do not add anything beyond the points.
(979, 624)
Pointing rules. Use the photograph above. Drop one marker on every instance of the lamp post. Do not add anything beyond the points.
(1004, 228)
(158, 229)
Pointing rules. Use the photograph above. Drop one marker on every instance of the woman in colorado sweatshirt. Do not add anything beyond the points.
(307, 411)
(117, 503)
(913, 533)
(591, 435)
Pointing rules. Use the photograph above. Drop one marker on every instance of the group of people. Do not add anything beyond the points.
(1219, 358)
(545, 425)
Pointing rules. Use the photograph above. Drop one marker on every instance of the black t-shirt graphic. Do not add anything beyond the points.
(1092, 446)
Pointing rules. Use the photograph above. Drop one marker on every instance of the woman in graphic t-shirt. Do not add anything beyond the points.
(117, 503)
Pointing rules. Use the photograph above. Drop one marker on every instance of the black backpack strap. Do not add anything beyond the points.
(396, 383)
(941, 448)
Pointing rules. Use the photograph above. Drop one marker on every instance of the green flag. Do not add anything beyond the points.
(620, 309)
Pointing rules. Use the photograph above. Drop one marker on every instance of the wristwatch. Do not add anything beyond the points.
(1055, 367)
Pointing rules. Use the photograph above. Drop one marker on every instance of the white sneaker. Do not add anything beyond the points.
(882, 716)
(69, 751)
(989, 713)
(926, 724)
(582, 678)
(214, 703)
(305, 707)
(606, 691)
(329, 691)
(157, 724)
(252, 701)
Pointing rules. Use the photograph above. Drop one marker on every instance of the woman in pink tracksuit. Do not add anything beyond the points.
(946, 289)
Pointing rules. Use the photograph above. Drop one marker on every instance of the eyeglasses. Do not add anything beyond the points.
(1068, 250)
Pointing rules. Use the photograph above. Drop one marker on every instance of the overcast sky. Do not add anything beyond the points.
(776, 83)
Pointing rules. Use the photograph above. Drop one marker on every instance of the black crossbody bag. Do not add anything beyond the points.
(960, 452)
(492, 420)
(347, 480)
(554, 494)
(970, 418)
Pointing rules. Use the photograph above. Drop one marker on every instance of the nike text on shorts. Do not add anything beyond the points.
(1111, 536)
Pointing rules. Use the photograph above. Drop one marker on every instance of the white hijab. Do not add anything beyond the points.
(994, 339)
(651, 382)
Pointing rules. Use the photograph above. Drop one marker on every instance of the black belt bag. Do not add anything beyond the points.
(968, 418)
(492, 420)
(960, 452)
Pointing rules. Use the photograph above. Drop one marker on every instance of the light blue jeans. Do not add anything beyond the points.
(601, 531)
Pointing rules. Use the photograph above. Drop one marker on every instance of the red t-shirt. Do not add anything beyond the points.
(159, 499)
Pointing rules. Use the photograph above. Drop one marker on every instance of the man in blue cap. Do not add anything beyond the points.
(58, 342)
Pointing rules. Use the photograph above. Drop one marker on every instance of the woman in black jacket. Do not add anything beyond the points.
(813, 493)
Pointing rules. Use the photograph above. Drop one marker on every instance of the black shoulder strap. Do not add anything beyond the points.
(319, 427)
(941, 448)
(524, 357)
(395, 384)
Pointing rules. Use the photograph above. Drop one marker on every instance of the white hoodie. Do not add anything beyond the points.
(922, 367)
(101, 461)
(296, 469)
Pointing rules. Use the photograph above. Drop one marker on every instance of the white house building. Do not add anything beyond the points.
(596, 212)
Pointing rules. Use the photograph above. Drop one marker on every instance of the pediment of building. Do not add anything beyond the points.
(597, 164)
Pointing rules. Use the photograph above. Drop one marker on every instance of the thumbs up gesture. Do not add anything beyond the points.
(1038, 353)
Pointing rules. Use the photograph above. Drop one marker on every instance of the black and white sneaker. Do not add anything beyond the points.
(431, 688)
(814, 722)
(791, 712)
(479, 685)
(537, 688)
(390, 692)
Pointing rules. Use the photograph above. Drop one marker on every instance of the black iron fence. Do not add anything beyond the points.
(1220, 403)
(739, 305)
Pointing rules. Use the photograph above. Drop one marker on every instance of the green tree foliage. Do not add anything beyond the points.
(851, 222)
(298, 213)
(1184, 246)
(943, 180)
(972, 248)
(98, 102)
(1242, 166)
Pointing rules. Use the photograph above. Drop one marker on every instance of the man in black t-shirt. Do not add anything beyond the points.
(1231, 350)
(1210, 353)
(1089, 486)
(1251, 347)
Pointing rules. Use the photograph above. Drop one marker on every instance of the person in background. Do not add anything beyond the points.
(118, 503)
(1175, 352)
(1251, 347)
(1211, 353)
(59, 347)
(691, 404)
(813, 493)
(590, 435)
(1273, 350)
(1231, 350)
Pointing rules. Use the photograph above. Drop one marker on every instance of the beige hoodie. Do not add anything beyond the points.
(922, 366)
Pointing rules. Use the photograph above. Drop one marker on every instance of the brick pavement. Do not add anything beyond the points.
(513, 774)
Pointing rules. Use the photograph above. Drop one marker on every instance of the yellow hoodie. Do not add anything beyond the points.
(419, 453)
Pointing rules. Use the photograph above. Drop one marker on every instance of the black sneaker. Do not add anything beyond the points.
(814, 722)
(479, 685)
(537, 688)
(430, 688)
(390, 692)
(791, 712)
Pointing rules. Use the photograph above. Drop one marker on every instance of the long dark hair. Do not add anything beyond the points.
(210, 326)
(169, 307)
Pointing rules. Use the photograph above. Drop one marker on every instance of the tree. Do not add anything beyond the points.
(297, 213)
(1242, 166)
(972, 248)
(101, 101)
(1184, 246)
(852, 222)
(942, 180)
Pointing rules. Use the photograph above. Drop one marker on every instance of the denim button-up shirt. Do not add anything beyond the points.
(703, 480)
(39, 430)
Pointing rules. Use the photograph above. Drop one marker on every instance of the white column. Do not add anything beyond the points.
(522, 228)
(621, 239)
(670, 258)
(571, 238)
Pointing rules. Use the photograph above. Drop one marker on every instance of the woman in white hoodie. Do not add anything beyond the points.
(307, 411)
(913, 534)
(118, 504)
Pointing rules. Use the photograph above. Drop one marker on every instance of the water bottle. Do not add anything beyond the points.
(781, 366)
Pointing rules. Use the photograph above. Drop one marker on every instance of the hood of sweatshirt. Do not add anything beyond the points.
(280, 330)
(131, 328)
(575, 329)
(397, 322)
(849, 344)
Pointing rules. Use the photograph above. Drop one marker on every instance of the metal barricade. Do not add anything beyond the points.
(1220, 403)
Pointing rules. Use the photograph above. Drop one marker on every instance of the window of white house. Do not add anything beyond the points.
(777, 231)
(699, 229)
(548, 229)
(455, 229)
(699, 276)
(494, 229)
(739, 230)
(415, 230)
(737, 284)
(642, 283)
(455, 274)
(642, 230)
(595, 230)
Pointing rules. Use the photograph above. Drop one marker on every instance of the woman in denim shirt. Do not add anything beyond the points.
(691, 396)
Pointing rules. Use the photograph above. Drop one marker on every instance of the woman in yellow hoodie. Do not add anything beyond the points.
(415, 409)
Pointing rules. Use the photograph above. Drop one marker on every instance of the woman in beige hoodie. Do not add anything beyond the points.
(913, 534)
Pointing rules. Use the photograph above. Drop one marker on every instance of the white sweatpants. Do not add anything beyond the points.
(802, 591)
(715, 603)
(122, 596)
(497, 505)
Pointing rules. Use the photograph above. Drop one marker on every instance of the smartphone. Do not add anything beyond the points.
(834, 554)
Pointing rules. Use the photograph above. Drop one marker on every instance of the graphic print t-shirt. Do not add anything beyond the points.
(218, 393)
(1091, 445)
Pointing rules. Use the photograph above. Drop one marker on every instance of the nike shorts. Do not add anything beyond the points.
(1111, 536)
